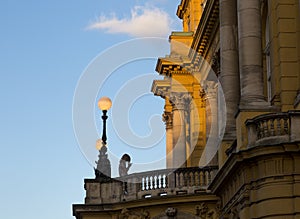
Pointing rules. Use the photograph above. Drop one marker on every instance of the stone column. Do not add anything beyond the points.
(229, 57)
(250, 53)
(212, 133)
(197, 129)
(168, 119)
(180, 103)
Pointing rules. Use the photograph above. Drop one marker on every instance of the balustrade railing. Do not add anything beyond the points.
(150, 184)
(162, 180)
(194, 176)
(273, 128)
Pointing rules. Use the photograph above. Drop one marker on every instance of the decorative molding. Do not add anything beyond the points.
(180, 101)
(215, 65)
(175, 64)
(163, 92)
(202, 98)
(201, 210)
(129, 214)
(206, 28)
(204, 212)
(161, 88)
(167, 117)
(210, 88)
(171, 212)
(174, 213)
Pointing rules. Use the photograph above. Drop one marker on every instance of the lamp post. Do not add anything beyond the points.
(103, 171)
(104, 104)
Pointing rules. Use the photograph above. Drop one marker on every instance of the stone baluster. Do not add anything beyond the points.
(278, 126)
(181, 179)
(197, 178)
(166, 181)
(285, 125)
(272, 131)
(202, 178)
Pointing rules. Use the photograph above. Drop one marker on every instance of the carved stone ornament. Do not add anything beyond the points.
(203, 212)
(171, 212)
(129, 214)
(211, 88)
(162, 93)
(168, 119)
(216, 63)
(181, 101)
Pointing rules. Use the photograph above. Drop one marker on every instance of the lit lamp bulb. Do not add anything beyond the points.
(104, 103)
(98, 144)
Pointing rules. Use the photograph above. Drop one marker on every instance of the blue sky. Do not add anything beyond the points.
(45, 47)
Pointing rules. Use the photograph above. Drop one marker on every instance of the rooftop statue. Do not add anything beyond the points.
(124, 165)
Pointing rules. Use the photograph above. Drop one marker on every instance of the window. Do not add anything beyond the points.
(268, 59)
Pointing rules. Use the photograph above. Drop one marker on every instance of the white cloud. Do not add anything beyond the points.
(150, 22)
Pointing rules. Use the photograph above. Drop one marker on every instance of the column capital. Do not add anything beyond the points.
(210, 88)
(162, 92)
(180, 100)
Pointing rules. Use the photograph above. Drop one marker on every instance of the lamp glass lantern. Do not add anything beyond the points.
(104, 104)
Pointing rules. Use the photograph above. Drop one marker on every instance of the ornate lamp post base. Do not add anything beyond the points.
(103, 164)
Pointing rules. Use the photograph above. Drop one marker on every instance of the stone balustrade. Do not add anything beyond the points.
(273, 128)
(194, 176)
(166, 182)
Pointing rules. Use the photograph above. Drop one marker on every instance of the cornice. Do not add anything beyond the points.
(82, 209)
(184, 34)
(181, 8)
(172, 65)
(160, 88)
(205, 31)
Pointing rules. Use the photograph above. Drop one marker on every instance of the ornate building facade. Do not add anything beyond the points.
(232, 112)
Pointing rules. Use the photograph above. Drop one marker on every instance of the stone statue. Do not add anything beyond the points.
(124, 165)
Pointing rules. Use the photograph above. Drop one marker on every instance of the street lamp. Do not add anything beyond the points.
(104, 104)
(103, 170)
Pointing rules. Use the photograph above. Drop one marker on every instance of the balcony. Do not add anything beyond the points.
(273, 128)
(137, 186)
